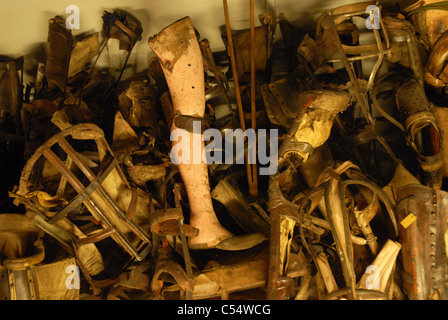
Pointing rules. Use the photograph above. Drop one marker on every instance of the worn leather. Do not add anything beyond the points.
(424, 255)
(60, 42)
(418, 117)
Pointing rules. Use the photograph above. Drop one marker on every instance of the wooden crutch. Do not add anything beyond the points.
(251, 169)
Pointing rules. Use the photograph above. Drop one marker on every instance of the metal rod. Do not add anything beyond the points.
(330, 26)
(187, 258)
(357, 58)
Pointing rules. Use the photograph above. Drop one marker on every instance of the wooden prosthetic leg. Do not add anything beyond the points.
(179, 53)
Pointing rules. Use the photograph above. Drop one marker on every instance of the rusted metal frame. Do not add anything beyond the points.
(164, 264)
(378, 63)
(346, 60)
(365, 57)
(186, 253)
(329, 24)
(110, 164)
(253, 187)
(278, 206)
(78, 186)
(162, 193)
(361, 98)
(360, 10)
(63, 236)
(91, 176)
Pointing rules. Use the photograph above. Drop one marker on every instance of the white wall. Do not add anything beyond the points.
(24, 23)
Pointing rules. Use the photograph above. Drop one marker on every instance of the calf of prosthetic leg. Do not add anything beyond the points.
(180, 56)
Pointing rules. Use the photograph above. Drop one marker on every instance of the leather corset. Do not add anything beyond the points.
(424, 254)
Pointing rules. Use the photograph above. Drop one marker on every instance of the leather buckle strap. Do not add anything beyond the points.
(188, 123)
(296, 146)
(166, 222)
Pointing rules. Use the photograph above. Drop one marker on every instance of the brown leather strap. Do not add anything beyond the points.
(132, 205)
(166, 222)
(96, 237)
(187, 122)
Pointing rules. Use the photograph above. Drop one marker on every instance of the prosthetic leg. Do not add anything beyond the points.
(423, 226)
(181, 60)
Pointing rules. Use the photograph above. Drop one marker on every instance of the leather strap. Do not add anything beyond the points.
(132, 205)
(103, 234)
(187, 122)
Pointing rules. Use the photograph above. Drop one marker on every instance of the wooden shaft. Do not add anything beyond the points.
(231, 52)
(253, 187)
